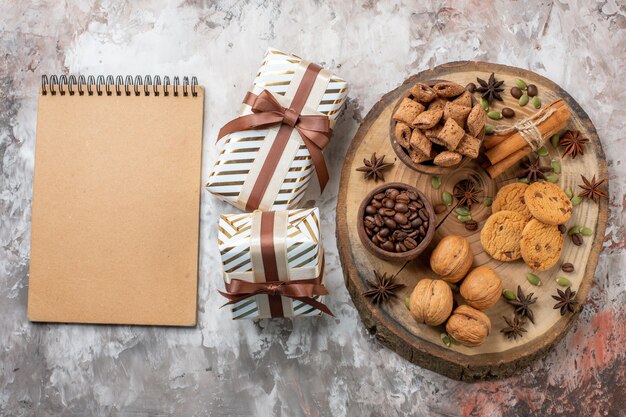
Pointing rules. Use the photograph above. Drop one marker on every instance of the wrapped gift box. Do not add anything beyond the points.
(273, 263)
(267, 161)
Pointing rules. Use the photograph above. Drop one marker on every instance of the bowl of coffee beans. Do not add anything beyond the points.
(396, 222)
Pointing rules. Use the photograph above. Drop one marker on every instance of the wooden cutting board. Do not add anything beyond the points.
(392, 323)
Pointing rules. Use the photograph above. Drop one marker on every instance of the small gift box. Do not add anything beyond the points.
(273, 264)
(272, 149)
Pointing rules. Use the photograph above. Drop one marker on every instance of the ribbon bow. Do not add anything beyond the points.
(301, 290)
(267, 111)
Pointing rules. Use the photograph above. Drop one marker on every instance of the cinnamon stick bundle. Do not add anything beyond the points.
(504, 152)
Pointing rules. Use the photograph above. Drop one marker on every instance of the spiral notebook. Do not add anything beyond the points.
(115, 215)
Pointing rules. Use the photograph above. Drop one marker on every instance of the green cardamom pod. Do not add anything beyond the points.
(533, 279)
(521, 84)
(445, 339)
(556, 166)
(509, 295)
(569, 193)
(536, 102)
(447, 198)
(487, 201)
(524, 180)
(489, 129)
(554, 140)
(563, 282)
(435, 182)
(406, 303)
(484, 103)
(586, 231)
(462, 211)
(523, 100)
(574, 230)
(552, 178)
(495, 115)
(542, 151)
(576, 200)
(464, 218)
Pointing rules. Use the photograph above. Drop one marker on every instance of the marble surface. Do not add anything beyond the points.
(325, 367)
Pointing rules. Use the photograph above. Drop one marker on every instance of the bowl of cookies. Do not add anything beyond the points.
(437, 126)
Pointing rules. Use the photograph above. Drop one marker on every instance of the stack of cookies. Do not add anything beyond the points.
(439, 123)
(525, 224)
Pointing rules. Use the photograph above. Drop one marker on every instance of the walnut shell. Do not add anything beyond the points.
(452, 258)
(470, 327)
(481, 288)
(431, 301)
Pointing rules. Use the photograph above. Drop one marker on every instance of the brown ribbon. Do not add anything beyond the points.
(273, 287)
(266, 111)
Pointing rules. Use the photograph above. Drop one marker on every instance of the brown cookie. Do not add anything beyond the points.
(403, 134)
(451, 134)
(469, 146)
(501, 235)
(476, 120)
(456, 112)
(448, 89)
(511, 197)
(548, 203)
(541, 245)
(423, 93)
(447, 159)
(427, 119)
(408, 111)
(420, 142)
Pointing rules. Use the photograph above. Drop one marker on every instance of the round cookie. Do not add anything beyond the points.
(501, 235)
(511, 197)
(541, 245)
(548, 203)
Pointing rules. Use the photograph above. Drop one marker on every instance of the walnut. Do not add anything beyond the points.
(431, 301)
(452, 258)
(481, 288)
(470, 327)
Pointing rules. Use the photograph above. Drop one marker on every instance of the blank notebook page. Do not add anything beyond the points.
(115, 216)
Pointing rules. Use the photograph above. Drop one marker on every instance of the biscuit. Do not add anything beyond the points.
(418, 156)
(423, 93)
(511, 197)
(464, 100)
(456, 112)
(541, 245)
(408, 111)
(469, 146)
(403, 134)
(427, 119)
(433, 131)
(451, 134)
(476, 120)
(448, 89)
(447, 159)
(548, 203)
(420, 142)
(440, 103)
(501, 235)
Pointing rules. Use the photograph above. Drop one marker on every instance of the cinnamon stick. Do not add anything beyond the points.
(493, 140)
(508, 162)
(553, 124)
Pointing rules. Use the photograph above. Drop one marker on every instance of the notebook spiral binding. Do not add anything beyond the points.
(118, 85)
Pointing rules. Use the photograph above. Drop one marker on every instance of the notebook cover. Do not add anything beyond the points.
(115, 215)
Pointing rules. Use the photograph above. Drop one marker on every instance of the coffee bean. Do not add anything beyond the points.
(562, 228)
(392, 193)
(389, 203)
(567, 267)
(440, 208)
(410, 243)
(412, 195)
(378, 219)
(416, 222)
(400, 247)
(508, 112)
(471, 225)
(423, 214)
(388, 246)
(577, 239)
(401, 208)
(370, 210)
(470, 87)
(400, 218)
(419, 204)
(399, 235)
(532, 90)
(379, 196)
(389, 223)
(516, 92)
(425, 225)
(389, 212)
(384, 232)
(403, 198)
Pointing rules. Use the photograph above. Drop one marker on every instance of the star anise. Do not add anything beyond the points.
(467, 192)
(533, 170)
(382, 289)
(374, 167)
(565, 300)
(490, 89)
(522, 304)
(515, 327)
(574, 143)
(591, 189)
